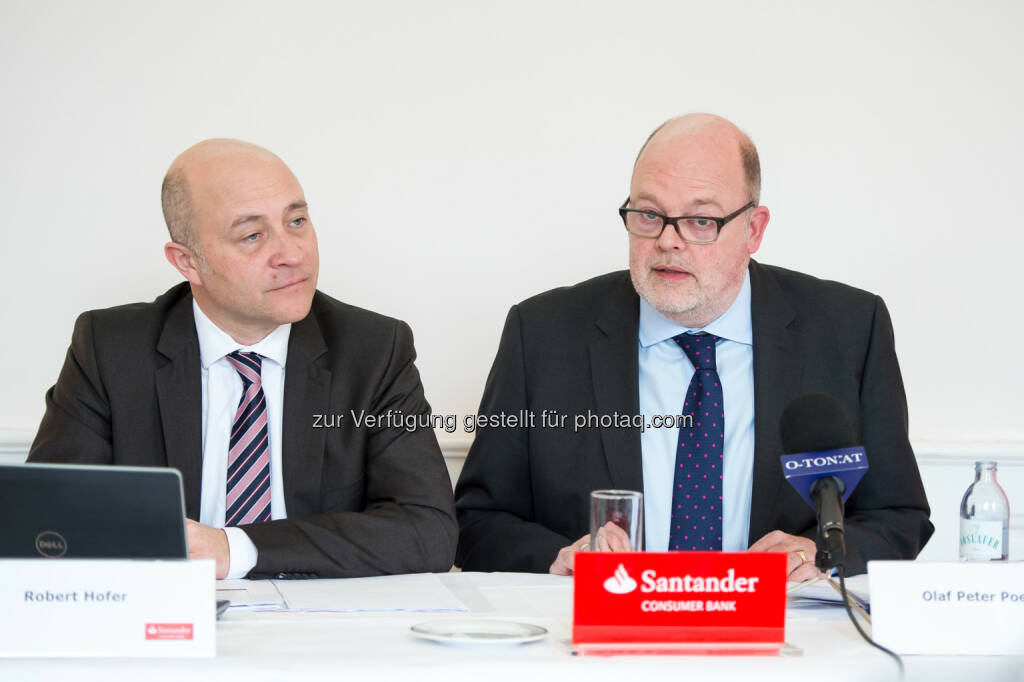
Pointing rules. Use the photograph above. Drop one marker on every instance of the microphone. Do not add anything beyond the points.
(824, 464)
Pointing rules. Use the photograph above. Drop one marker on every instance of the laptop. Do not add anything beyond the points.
(91, 512)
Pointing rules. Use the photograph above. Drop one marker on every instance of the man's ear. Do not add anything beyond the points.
(184, 261)
(758, 224)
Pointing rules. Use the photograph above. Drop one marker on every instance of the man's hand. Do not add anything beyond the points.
(562, 565)
(207, 542)
(610, 538)
(799, 551)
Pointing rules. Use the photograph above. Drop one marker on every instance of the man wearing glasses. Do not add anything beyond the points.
(694, 328)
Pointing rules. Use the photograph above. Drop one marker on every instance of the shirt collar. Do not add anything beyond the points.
(215, 343)
(734, 324)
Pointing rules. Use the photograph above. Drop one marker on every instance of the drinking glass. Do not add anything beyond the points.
(616, 521)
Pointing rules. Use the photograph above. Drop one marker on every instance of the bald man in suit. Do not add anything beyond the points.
(246, 379)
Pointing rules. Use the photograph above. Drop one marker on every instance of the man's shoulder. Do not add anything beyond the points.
(339, 319)
(136, 320)
(801, 290)
(586, 297)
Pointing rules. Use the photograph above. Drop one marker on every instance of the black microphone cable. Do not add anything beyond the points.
(853, 619)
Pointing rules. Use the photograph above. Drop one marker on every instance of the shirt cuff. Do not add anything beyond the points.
(242, 554)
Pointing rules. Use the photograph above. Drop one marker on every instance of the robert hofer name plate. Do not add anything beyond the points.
(99, 607)
(920, 607)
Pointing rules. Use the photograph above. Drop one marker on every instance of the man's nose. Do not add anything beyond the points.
(290, 249)
(669, 239)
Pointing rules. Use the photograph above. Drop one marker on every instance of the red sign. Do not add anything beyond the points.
(703, 602)
(175, 631)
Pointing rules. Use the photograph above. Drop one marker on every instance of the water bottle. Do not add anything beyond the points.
(984, 517)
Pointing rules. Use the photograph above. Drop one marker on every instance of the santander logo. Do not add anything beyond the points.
(620, 583)
(169, 631)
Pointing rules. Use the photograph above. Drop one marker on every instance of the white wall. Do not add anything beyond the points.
(460, 156)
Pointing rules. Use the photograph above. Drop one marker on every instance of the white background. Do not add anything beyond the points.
(461, 156)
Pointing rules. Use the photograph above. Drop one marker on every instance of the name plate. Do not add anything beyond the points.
(99, 607)
(922, 607)
(679, 602)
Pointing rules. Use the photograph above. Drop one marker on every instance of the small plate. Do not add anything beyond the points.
(478, 631)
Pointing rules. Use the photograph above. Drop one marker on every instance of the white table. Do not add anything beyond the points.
(256, 646)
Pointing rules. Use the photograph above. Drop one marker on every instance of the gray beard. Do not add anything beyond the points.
(664, 304)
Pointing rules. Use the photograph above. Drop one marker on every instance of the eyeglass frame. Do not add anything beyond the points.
(668, 220)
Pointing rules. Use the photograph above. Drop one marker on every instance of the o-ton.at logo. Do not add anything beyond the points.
(51, 544)
(620, 583)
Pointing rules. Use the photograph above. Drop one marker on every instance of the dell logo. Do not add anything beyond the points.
(51, 544)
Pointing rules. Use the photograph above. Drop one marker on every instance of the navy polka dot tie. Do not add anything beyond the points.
(697, 488)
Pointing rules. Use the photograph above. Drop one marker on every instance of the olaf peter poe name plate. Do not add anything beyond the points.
(107, 607)
(920, 607)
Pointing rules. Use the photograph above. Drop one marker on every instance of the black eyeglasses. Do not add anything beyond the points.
(691, 229)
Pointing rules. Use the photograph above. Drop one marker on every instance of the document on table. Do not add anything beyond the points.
(414, 592)
(254, 595)
(820, 593)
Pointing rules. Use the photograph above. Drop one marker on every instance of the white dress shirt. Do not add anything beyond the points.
(665, 374)
(222, 391)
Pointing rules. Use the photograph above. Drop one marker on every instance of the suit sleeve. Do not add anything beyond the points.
(408, 522)
(494, 496)
(887, 515)
(76, 425)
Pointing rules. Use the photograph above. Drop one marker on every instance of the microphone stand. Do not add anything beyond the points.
(827, 493)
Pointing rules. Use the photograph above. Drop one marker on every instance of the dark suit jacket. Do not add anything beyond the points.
(524, 493)
(360, 501)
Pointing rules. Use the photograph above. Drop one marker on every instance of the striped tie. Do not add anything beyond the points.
(248, 498)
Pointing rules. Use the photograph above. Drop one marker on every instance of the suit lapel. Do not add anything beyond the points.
(306, 392)
(778, 375)
(615, 371)
(179, 393)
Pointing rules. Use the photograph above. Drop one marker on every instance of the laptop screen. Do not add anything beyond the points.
(86, 511)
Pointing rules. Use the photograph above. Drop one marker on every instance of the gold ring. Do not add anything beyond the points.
(803, 557)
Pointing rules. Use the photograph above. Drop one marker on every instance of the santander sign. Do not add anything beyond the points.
(690, 601)
(650, 581)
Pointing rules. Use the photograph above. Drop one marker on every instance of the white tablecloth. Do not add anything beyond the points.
(255, 646)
